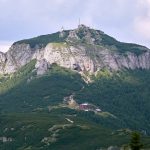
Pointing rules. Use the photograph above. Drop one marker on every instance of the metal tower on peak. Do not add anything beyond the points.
(79, 22)
(62, 32)
(62, 29)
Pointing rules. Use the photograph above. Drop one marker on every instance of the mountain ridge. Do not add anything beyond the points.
(82, 49)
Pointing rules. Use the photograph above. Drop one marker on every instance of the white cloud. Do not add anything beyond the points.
(142, 27)
(142, 20)
(126, 20)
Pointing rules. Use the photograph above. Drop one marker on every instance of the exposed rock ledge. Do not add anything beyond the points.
(90, 58)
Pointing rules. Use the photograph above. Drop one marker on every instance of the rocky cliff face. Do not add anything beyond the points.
(82, 49)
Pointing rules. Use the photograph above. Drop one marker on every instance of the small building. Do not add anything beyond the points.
(89, 107)
(84, 106)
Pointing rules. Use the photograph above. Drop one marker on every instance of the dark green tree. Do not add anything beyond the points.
(135, 142)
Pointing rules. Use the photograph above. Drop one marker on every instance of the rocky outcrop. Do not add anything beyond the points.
(16, 57)
(42, 66)
(93, 58)
(2, 62)
(75, 54)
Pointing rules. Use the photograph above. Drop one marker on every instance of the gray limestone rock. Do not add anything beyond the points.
(73, 54)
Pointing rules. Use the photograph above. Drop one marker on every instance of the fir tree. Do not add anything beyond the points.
(135, 142)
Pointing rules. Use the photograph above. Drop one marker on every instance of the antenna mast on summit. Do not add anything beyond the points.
(79, 21)
(62, 29)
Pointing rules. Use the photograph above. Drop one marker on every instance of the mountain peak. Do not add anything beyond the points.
(82, 26)
(82, 49)
(84, 34)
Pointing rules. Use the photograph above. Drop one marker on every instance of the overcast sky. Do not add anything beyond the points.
(126, 20)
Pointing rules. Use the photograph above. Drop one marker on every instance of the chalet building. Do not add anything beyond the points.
(89, 107)
(84, 106)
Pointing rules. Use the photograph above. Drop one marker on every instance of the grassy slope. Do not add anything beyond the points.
(125, 94)
(40, 92)
(43, 40)
(30, 128)
(82, 134)
(121, 46)
(105, 40)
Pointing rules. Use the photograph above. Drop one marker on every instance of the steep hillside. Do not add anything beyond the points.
(124, 94)
(25, 91)
(34, 105)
